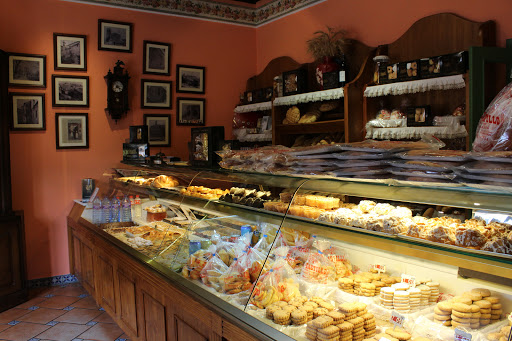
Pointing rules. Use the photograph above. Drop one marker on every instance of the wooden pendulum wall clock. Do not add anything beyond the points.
(117, 91)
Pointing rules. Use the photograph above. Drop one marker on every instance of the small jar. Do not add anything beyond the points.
(278, 86)
(378, 61)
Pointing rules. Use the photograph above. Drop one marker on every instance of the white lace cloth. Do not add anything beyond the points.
(243, 136)
(402, 133)
(411, 87)
(254, 107)
(316, 96)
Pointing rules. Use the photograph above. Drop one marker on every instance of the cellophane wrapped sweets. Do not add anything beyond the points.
(212, 272)
(318, 268)
(494, 132)
(278, 284)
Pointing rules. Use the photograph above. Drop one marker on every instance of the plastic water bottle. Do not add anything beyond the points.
(132, 203)
(96, 211)
(115, 210)
(105, 211)
(138, 207)
(126, 210)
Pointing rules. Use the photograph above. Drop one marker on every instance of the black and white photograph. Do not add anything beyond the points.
(72, 131)
(69, 51)
(27, 70)
(159, 129)
(115, 36)
(156, 58)
(156, 94)
(27, 111)
(190, 79)
(70, 91)
(190, 111)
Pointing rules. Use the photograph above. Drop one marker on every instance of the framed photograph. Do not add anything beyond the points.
(71, 131)
(418, 116)
(190, 79)
(190, 111)
(70, 91)
(156, 58)
(27, 111)
(294, 82)
(27, 70)
(115, 36)
(159, 129)
(156, 94)
(69, 52)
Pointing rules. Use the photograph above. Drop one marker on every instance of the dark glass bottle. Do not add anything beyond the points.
(343, 71)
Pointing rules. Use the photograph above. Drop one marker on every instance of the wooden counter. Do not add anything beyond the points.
(148, 301)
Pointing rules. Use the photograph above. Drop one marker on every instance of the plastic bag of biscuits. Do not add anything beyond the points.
(212, 272)
(318, 268)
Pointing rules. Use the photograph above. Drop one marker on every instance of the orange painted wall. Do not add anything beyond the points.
(45, 181)
(370, 21)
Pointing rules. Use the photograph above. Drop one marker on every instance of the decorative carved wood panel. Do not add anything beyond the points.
(127, 302)
(154, 318)
(105, 279)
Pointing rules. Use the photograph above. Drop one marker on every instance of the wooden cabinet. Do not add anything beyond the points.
(428, 37)
(145, 304)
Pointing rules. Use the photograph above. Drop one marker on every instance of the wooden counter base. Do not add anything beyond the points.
(145, 304)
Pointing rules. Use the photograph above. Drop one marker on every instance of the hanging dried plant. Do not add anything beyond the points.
(327, 44)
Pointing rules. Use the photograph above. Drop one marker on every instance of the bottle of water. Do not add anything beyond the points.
(138, 207)
(126, 210)
(96, 211)
(132, 204)
(105, 211)
(115, 210)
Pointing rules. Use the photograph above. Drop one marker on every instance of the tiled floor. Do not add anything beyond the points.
(63, 313)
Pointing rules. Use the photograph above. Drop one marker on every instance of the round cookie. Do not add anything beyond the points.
(493, 299)
(483, 304)
(482, 291)
(460, 314)
(398, 333)
(462, 299)
(445, 306)
(440, 312)
(461, 307)
(282, 317)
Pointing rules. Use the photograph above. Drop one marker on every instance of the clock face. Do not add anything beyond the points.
(117, 86)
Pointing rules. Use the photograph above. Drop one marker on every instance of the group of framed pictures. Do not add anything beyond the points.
(70, 54)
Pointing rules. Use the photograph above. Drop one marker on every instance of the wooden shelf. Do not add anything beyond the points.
(313, 128)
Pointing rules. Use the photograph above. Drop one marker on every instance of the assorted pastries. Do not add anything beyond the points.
(247, 197)
(203, 192)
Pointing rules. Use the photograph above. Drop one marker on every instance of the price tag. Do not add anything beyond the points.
(397, 319)
(461, 335)
(379, 268)
(408, 279)
(94, 194)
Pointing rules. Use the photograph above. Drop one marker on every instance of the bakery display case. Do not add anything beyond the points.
(289, 257)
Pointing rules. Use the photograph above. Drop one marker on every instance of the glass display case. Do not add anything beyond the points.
(289, 249)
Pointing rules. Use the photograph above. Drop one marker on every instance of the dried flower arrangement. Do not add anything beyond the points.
(328, 43)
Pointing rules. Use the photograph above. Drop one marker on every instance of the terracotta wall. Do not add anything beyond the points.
(372, 22)
(46, 180)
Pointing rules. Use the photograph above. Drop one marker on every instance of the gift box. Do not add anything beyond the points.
(408, 71)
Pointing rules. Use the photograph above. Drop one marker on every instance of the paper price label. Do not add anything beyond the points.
(461, 335)
(408, 279)
(397, 319)
(379, 268)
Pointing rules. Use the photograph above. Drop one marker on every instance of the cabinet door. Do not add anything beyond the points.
(127, 311)
(186, 333)
(77, 258)
(105, 283)
(87, 267)
(10, 261)
(154, 318)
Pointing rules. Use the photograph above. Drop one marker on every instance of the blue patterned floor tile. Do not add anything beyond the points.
(34, 339)
(83, 296)
(52, 323)
(101, 309)
(91, 323)
(77, 340)
(34, 307)
(69, 308)
(49, 295)
(121, 339)
(13, 323)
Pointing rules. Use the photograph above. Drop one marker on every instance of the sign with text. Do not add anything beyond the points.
(397, 319)
(379, 268)
(461, 335)
(408, 279)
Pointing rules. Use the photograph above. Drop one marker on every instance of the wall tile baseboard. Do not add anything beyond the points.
(51, 281)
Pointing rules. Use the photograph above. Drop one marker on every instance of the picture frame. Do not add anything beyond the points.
(27, 111)
(294, 82)
(330, 80)
(27, 70)
(190, 111)
(159, 129)
(115, 36)
(419, 116)
(70, 91)
(69, 52)
(71, 131)
(156, 58)
(249, 98)
(156, 94)
(190, 79)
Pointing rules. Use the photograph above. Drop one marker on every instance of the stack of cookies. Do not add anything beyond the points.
(370, 325)
(299, 317)
(414, 299)
(349, 309)
(366, 289)
(401, 301)
(299, 308)
(378, 286)
(318, 329)
(434, 292)
(358, 329)
(346, 284)
(443, 313)
(336, 316)
(425, 295)
(386, 297)
(345, 330)
(282, 317)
